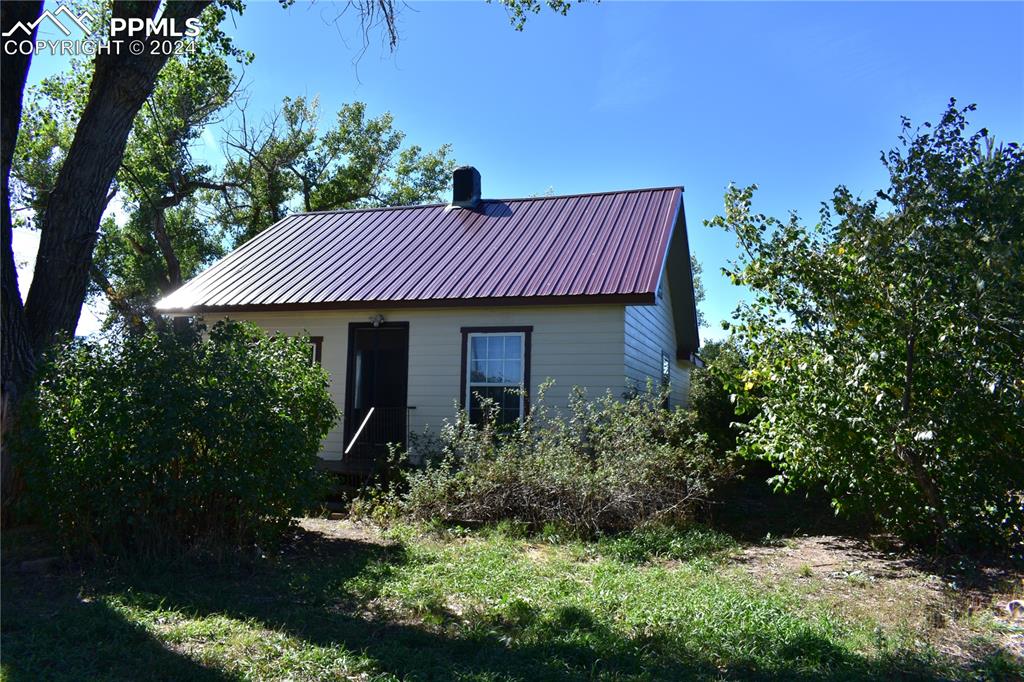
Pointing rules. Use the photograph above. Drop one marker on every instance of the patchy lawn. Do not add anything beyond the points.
(345, 602)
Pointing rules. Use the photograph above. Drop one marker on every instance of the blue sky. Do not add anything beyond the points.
(797, 97)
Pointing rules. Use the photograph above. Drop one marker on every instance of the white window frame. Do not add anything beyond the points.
(470, 384)
(316, 349)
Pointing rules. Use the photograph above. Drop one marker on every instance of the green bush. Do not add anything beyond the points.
(148, 442)
(710, 396)
(606, 465)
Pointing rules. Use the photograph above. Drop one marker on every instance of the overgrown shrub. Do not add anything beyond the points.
(147, 442)
(605, 465)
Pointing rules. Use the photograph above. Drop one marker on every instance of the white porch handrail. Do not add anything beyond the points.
(359, 430)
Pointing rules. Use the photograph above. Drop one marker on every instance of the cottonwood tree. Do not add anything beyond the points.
(166, 238)
(885, 343)
(177, 209)
(286, 162)
(50, 112)
(173, 227)
(69, 221)
(163, 240)
(17, 360)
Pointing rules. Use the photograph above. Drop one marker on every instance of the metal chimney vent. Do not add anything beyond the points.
(466, 187)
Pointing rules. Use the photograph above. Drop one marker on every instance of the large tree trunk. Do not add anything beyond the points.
(17, 361)
(120, 85)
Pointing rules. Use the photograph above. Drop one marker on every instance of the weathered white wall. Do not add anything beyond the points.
(574, 345)
(649, 330)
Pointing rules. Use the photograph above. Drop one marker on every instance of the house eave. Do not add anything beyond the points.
(645, 298)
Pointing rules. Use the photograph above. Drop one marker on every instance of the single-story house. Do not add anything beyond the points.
(413, 309)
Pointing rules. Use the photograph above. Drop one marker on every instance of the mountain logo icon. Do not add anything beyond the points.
(79, 20)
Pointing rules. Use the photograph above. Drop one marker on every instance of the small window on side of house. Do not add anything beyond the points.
(666, 376)
(316, 348)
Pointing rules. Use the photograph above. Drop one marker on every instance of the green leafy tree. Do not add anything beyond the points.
(885, 343)
(48, 127)
(520, 10)
(173, 202)
(167, 237)
(76, 196)
(287, 162)
(697, 270)
(163, 241)
(149, 256)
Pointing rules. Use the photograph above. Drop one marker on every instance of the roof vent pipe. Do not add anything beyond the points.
(466, 187)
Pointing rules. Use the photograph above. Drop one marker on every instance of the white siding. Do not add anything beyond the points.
(574, 345)
(649, 331)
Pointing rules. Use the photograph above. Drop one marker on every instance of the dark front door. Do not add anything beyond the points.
(378, 375)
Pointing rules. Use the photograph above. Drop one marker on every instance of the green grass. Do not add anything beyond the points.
(471, 606)
(663, 542)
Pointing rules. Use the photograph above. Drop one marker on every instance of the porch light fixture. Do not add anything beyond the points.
(377, 320)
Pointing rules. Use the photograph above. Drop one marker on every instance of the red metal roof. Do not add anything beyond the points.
(607, 246)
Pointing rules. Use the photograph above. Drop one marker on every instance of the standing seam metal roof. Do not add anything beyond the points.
(604, 246)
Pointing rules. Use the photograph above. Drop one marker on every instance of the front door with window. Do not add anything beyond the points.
(376, 388)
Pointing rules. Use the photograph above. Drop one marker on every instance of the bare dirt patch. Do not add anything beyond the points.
(343, 529)
(796, 541)
(830, 556)
(902, 592)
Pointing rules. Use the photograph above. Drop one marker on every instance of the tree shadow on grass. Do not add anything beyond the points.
(49, 632)
(310, 592)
